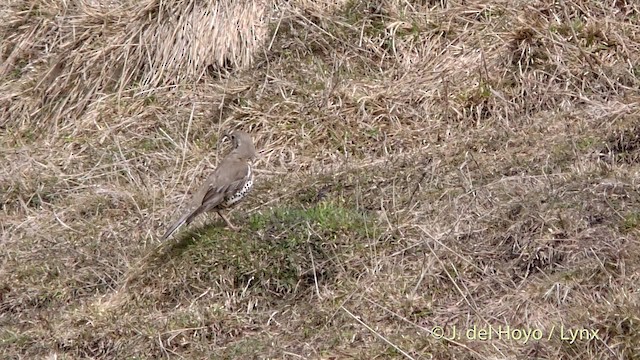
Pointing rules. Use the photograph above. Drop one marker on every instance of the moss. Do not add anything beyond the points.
(630, 223)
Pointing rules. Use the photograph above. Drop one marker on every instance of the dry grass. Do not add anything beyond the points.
(423, 165)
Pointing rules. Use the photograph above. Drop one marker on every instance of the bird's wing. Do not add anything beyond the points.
(217, 186)
(221, 184)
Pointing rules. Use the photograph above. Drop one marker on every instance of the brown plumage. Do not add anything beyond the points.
(228, 184)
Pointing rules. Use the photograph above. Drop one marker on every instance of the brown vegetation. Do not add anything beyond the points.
(423, 165)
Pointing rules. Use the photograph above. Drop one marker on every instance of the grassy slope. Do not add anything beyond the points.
(421, 166)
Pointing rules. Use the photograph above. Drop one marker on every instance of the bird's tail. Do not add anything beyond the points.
(186, 218)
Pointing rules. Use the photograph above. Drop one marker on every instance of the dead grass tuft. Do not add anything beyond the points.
(73, 55)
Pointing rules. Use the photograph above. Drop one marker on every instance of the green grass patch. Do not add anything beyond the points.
(8, 337)
(282, 249)
(630, 222)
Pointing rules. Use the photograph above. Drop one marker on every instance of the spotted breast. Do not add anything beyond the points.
(231, 200)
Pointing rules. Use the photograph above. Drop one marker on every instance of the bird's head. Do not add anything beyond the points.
(241, 143)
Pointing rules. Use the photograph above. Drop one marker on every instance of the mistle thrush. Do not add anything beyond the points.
(228, 184)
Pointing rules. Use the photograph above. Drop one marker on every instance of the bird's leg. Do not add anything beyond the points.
(229, 224)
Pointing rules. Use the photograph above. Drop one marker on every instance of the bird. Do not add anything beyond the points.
(229, 183)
